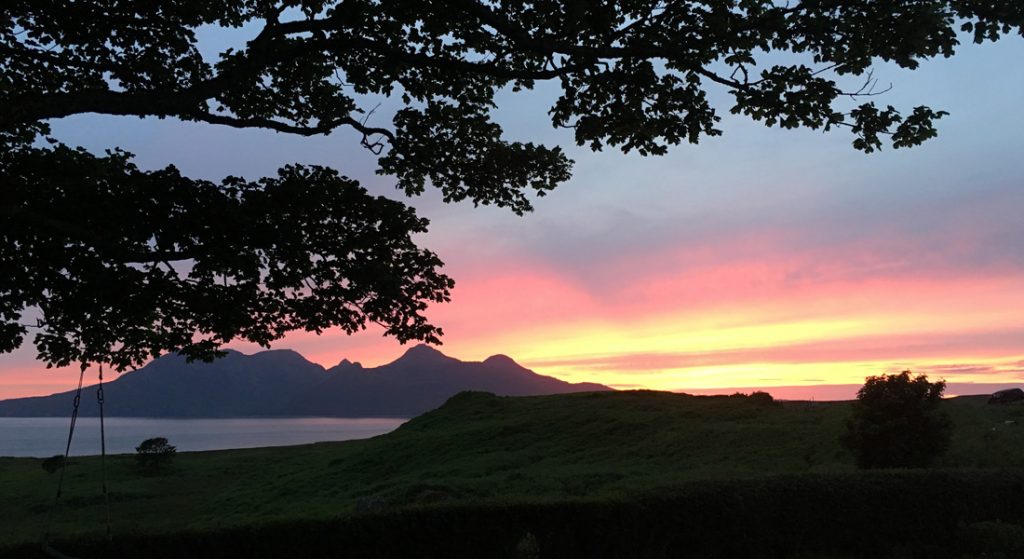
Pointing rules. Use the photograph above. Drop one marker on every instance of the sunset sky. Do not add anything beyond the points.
(762, 258)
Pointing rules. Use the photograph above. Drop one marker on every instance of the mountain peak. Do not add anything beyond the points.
(274, 352)
(420, 357)
(275, 356)
(421, 351)
(500, 359)
(346, 364)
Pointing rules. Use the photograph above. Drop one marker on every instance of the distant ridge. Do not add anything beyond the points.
(282, 383)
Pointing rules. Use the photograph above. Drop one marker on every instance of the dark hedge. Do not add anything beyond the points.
(912, 513)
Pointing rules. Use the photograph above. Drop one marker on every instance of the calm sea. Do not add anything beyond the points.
(47, 436)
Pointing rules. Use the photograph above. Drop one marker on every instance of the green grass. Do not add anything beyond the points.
(480, 448)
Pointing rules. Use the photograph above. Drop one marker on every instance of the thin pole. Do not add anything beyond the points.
(103, 452)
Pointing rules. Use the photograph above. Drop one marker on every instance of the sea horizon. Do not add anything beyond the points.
(41, 437)
(817, 392)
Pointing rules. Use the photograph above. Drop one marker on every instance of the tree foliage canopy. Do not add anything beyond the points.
(897, 422)
(122, 264)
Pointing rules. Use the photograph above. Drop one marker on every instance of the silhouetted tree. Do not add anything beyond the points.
(154, 453)
(897, 422)
(124, 264)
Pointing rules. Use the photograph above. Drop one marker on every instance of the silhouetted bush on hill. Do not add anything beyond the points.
(759, 398)
(53, 464)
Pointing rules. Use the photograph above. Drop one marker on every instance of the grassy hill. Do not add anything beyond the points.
(479, 448)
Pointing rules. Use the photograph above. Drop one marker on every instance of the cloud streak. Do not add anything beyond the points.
(877, 348)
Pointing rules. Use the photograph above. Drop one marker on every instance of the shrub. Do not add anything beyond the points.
(53, 463)
(154, 453)
(897, 422)
(762, 398)
(757, 398)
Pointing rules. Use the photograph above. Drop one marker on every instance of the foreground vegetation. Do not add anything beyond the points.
(557, 457)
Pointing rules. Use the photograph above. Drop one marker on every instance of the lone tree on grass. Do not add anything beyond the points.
(897, 422)
(119, 264)
(154, 453)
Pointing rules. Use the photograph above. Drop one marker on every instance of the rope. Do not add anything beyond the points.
(67, 451)
(103, 452)
(64, 464)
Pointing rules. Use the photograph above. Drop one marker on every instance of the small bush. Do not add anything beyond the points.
(762, 398)
(528, 548)
(154, 453)
(53, 463)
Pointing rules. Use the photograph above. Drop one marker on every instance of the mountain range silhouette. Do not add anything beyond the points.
(284, 383)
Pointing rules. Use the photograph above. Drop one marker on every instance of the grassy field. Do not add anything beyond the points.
(480, 448)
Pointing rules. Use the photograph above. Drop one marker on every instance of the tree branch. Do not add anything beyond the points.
(263, 51)
(321, 128)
